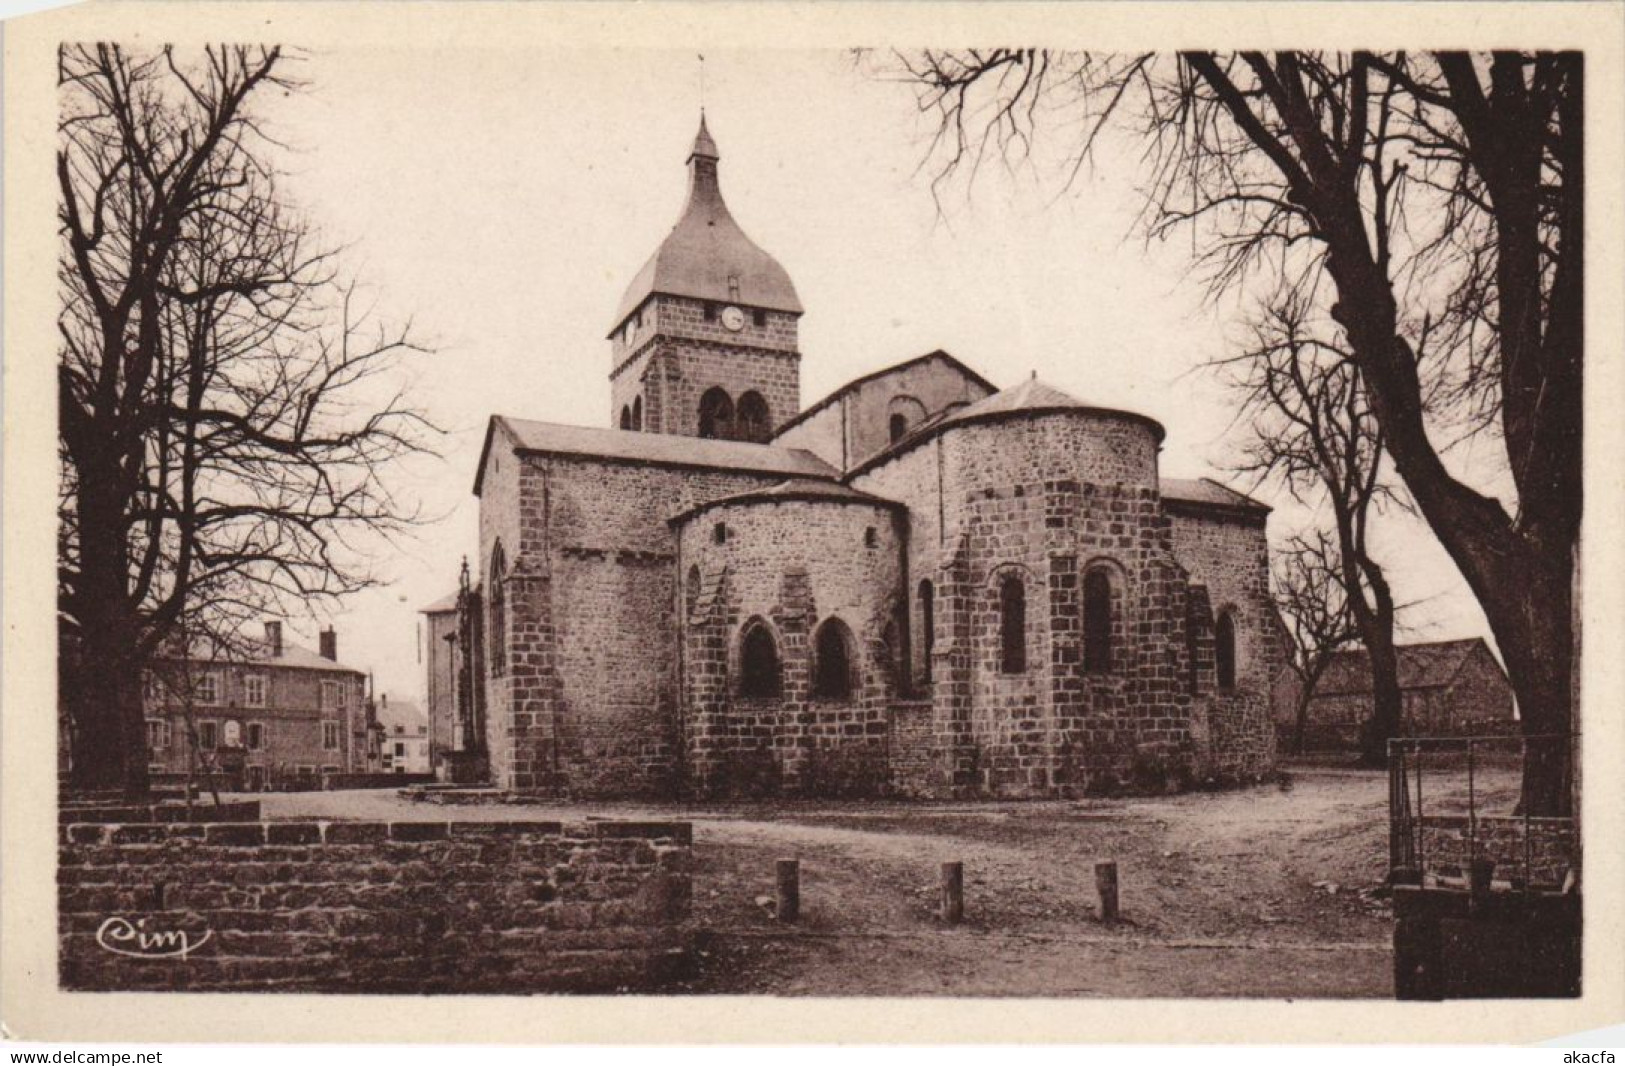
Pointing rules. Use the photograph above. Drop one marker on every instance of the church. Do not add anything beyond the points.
(920, 585)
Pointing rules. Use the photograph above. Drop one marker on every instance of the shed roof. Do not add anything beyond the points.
(1207, 491)
(1428, 665)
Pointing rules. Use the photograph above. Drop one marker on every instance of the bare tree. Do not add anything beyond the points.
(1311, 428)
(1307, 586)
(226, 407)
(1437, 194)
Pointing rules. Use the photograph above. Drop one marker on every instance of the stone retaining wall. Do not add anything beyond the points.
(403, 907)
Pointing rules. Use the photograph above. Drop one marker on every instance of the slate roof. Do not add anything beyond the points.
(705, 250)
(1431, 665)
(1207, 491)
(293, 656)
(793, 489)
(668, 449)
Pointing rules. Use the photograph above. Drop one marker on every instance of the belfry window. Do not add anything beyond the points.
(716, 414)
(832, 661)
(761, 675)
(1012, 625)
(637, 414)
(1098, 610)
(1224, 651)
(626, 417)
(752, 422)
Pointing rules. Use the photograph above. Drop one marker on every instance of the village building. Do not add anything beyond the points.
(920, 585)
(404, 737)
(1449, 688)
(273, 716)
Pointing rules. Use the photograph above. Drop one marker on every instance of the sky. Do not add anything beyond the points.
(501, 199)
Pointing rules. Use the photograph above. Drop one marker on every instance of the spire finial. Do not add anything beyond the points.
(704, 146)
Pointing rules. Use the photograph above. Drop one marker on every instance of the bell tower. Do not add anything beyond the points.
(704, 343)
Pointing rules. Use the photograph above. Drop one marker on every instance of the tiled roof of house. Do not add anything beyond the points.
(1432, 665)
(444, 605)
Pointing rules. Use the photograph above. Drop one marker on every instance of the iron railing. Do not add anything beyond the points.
(1466, 807)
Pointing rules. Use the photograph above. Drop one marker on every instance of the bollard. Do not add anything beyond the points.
(789, 901)
(953, 892)
(1106, 885)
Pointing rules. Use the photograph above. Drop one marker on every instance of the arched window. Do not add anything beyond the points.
(716, 415)
(637, 414)
(760, 674)
(498, 629)
(832, 661)
(928, 628)
(1012, 625)
(752, 421)
(1098, 610)
(691, 592)
(626, 417)
(899, 426)
(1224, 651)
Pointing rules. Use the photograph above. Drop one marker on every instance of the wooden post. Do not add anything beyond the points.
(789, 882)
(1106, 885)
(953, 892)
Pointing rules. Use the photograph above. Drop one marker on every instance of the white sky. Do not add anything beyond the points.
(503, 198)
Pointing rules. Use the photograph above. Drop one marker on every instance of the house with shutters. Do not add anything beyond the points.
(273, 715)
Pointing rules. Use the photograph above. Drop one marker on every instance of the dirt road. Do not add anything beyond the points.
(1248, 893)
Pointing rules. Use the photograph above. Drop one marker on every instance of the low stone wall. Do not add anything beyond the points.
(1548, 847)
(404, 907)
(336, 782)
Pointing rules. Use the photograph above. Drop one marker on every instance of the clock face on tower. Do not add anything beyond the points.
(733, 318)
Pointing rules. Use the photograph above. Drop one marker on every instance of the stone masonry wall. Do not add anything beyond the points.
(589, 704)
(1539, 851)
(1228, 556)
(408, 907)
(678, 355)
(792, 564)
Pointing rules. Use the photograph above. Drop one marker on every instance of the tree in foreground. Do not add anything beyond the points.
(1437, 200)
(227, 411)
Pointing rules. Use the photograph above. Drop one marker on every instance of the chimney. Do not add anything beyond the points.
(273, 637)
(330, 644)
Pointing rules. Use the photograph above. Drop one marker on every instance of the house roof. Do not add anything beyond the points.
(1430, 665)
(873, 375)
(1031, 397)
(258, 653)
(666, 449)
(706, 255)
(793, 489)
(444, 605)
(1209, 492)
(403, 713)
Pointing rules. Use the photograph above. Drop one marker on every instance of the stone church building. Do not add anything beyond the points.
(919, 585)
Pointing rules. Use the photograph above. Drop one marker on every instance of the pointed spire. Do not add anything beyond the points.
(704, 146)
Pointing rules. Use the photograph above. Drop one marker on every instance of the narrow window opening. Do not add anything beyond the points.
(719, 533)
(1097, 622)
(1012, 625)
(1224, 651)
(928, 628)
(870, 537)
(899, 426)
